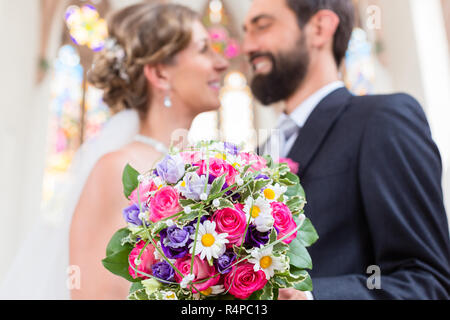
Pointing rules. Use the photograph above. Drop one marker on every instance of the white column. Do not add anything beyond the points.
(434, 65)
(20, 184)
(417, 51)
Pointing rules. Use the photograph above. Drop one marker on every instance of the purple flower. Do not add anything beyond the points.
(131, 215)
(254, 238)
(175, 241)
(231, 148)
(193, 224)
(176, 237)
(194, 186)
(163, 270)
(171, 168)
(225, 261)
(261, 176)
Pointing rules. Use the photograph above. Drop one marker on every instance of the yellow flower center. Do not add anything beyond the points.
(265, 262)
(207, 292)
(183, 184)
(171, 296)
(208, 240)
(221, 156)
(160, 186)
(269, 194)
(235, 165)
(255, 211)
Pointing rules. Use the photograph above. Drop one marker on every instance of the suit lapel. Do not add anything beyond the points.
(317, 127)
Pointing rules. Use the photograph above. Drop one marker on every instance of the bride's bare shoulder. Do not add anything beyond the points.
(107, 169)
(111, 165)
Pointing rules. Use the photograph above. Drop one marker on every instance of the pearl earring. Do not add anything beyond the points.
(167, 101)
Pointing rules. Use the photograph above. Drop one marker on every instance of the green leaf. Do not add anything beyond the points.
(273, 236)
(305, 285)
(190, 168)
(225, 203)
(269, 160)
(138, 295)
(129, 180)
(307, 234)
(295, 204)
(245, 169)
(115, 244)
(116, 260)
(266, 293)
(290, 179)
(293, 191)
(283, 168)
(156, 227)
(259, 184)
(298, 255)
(291, 277)
(186, 202)
(280, 247)
(188, 217)
(276, 291)
(217, 185)
(117, 263)
(136, 286)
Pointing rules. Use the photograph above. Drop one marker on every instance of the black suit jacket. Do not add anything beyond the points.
(372, 177)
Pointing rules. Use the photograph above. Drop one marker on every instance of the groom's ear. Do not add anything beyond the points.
(323, 26)
(157, 76)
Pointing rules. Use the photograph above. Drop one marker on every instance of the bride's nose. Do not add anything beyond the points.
(221, 63)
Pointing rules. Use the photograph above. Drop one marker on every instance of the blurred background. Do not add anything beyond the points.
(47, 108)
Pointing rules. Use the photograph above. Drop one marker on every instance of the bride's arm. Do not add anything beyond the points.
(96, 218)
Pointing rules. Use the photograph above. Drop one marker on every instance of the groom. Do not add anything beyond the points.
(369, 166)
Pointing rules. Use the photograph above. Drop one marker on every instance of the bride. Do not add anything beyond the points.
(158, 72)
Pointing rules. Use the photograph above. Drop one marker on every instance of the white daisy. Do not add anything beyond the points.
(169, 295)
(264, 260)
(273, 192)
(158, 182)
(254, 208)
(210, 244)
(236, 161)
(186, 280)
(264, 223)
(213, 290)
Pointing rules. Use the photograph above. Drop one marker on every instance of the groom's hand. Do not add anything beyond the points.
(291, 294)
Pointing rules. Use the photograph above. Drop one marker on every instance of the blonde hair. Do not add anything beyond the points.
(149, 34)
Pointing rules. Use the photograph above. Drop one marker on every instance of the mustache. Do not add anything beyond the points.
(254, 55)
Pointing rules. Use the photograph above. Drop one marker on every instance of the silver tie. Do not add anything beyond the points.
(276, 144)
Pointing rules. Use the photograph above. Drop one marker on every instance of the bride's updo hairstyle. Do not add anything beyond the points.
(139, 35)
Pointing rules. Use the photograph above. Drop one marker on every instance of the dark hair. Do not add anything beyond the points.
(306, 9)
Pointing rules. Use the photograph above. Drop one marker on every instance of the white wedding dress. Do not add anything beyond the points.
(40, 268)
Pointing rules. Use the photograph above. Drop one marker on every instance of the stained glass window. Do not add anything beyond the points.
(77, 111)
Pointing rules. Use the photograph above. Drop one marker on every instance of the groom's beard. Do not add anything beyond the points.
(288, 72)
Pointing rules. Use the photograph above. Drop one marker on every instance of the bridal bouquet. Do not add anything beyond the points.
(213, 222)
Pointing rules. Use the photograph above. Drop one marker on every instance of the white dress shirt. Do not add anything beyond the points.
(301, 114)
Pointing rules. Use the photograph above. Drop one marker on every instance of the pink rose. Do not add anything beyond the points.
(231, 221)
(144, 189)
(147, 260)
(293, 166)
(284, 222)
(243, 280)
(164, 204)
(259, 162)
(201, 270)
(218, 168)
(190, 157)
